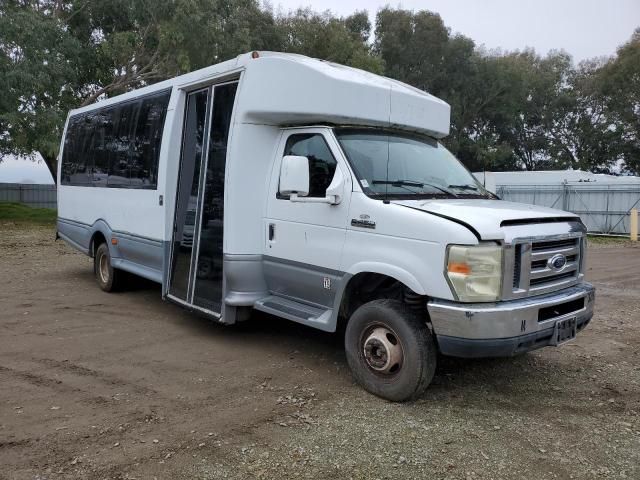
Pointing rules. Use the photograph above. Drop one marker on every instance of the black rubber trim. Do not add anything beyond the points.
(533, 221)
(454, 220)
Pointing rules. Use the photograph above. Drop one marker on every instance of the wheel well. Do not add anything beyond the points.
(367, 286)
(97, 239)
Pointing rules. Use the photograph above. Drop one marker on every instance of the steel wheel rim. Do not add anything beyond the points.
(103, 268)
(382, 350)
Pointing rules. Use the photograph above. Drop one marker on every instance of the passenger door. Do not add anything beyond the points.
(195, 276)
(304, 240)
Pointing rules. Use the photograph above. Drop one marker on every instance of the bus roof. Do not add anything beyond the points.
(289, 89)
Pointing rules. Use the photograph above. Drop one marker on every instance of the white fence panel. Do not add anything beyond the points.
(602, 208)
(34, 195)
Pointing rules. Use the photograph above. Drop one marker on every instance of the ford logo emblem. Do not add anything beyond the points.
(557, 262)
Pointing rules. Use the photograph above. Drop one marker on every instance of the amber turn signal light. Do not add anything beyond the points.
(462, 268)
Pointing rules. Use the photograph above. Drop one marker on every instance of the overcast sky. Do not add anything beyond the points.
(584, 28)
(24, 170)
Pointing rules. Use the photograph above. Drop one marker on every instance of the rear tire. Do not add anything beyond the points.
(109, 279)
(390, 350)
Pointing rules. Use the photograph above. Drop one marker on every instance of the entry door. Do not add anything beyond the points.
(196, 260)
(304, 241)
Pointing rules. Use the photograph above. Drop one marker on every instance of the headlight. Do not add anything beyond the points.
(475, 272)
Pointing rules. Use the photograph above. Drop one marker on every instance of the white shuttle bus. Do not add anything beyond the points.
(321, 194)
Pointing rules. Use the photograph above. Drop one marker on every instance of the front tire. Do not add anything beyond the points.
(390, 350)
(108, 278)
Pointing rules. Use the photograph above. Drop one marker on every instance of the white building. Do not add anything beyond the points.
(492, 180)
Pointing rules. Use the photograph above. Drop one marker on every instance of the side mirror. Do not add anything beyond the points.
(294, 176)
(333, 195)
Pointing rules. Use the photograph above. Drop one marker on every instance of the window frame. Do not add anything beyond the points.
(483, 195)
(283, 148)
(163, 96)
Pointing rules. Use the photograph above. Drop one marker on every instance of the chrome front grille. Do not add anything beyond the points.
(542, 265)
(541, 272)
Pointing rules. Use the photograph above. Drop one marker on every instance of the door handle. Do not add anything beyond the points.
(272, 231)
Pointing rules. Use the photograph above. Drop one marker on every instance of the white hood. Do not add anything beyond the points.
(485, 216)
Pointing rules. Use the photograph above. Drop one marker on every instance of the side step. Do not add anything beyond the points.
(317, 317)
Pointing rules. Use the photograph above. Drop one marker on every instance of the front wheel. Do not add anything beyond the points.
(390, 350)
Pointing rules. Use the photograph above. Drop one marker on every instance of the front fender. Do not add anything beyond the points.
(389, 270)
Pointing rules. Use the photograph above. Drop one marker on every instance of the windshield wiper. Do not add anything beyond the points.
(401, 185)
(483, 192)
(411, 183)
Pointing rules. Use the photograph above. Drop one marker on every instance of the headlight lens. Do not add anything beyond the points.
(475, 272)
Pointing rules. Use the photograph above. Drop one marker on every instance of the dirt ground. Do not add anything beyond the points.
(122, 386)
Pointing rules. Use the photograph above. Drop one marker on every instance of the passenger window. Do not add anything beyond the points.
(103, 141)
(70, 152)
(122, 146)
(79, 170)
(116, 146)
(146, 143)
(322, 164)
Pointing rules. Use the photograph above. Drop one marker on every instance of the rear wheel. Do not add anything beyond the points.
(108, 278)
(390, 350)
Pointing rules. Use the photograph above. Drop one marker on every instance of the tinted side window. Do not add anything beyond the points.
(322, 164)
(76, 155)
(116, 146)
(84, 158)
(70, 152)
(103, 138)
(122, 146)
(146, 142)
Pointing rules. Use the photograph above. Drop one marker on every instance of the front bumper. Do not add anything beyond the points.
(507, 328)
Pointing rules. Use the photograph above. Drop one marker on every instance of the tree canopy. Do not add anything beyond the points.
(510, 110)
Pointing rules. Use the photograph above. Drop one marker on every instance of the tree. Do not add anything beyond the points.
(413, 47)
(585, 135)
(324, 36)
(509, 110)
(38, 68)
(197, 33)
(537, 89)
(619, 83)
(58, 55)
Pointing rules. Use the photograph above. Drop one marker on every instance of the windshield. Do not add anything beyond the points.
(401, 165)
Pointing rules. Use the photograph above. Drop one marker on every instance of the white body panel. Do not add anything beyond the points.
(310, 233)
(279, 94)
(114, 206)
(485, 216)
(407, 244)
(275, 89)
(285, 90)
